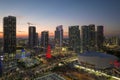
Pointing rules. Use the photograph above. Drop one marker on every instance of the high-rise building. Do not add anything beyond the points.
(36, 39)
(92, 37)
(44, 39)
(32, 36)
(74, 38)
(9, 34)
(85, 38)
(100, 36)
(88, 38)
(59, 36)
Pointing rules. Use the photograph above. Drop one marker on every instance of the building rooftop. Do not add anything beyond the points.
(97, 54)
(52, 76)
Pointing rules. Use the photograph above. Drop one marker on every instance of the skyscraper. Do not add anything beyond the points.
(85, 38)
(32, 36)
(100, 36)
(9, 34)
(88, 38)
(36, 40)
(74, 38)
(44, 39)
(59, 35)
(92, 41)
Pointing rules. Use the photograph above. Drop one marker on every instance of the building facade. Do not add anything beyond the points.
(44, 39)
(9, 34)
(32, 36)
(59, 36)
(88, 38)
(100, 36)
(36, 40)
(92, 34)
(85, 38)
(74, 38)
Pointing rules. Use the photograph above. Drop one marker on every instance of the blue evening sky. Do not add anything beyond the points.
(47, 14)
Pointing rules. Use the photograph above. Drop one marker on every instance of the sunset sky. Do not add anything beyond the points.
(47, 14)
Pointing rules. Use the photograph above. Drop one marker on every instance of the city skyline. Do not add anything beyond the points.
(46, 15)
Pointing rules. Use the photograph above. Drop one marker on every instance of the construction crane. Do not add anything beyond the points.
(29, 23)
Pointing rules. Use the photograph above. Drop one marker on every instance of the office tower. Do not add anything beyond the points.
(9, 34)
(85, 38)
(32, 36)
(36, 39)
(88, 38)
(44, 39)
(100, 36)
(59, 36)
(74, 38)
(92, 41)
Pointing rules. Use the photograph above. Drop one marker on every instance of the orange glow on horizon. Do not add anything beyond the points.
(51, 34)
(25, 35)
(1, 35)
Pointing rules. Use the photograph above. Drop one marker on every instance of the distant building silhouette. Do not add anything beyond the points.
(32, 36)
(74, 38)
(9, 34)
(113, 40)
(100, 36)
(59, 36)
(44, 39)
